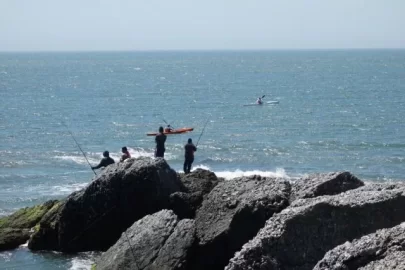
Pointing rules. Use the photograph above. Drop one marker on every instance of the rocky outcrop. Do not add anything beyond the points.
(14, 229)
(299, 236)
(199, 180)
(95, 217)
(185, 204)
(383, 186)
(158, 241)
(384, 249)
(321, 184)
(233, 213)
(197, 186)
(12, 238)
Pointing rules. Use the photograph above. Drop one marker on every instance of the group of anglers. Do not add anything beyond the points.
(160, 140)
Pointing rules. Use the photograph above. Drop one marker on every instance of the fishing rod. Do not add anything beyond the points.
(202, 132)
(78, 145)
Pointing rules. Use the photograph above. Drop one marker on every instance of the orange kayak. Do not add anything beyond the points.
(174, 131)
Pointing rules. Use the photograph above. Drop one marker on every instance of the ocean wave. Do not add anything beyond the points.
(78, 159)
(81, 264)
(12, 164)
(126, 125)
(84, 261)
(67, 189)
(228, 175)
(6, 256)
(94, 158)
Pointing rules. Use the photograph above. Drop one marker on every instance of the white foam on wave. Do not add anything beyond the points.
(94, 160)
(124, 124)
(140, 152)
(278, 173)
(67, 189)
(78, 159)
(6, 256)
(81, 264)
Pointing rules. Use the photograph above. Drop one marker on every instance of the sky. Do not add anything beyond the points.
(101, 25)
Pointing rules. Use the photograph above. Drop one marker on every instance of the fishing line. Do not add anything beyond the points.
(202, 132)
(78, 145)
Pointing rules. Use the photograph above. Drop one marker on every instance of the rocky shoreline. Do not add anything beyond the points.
(144, 215)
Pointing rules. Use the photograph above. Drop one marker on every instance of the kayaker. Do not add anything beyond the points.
(104, 161)
(125, 154)
(160, 140)
(259, 101)
(168, 129)
(189, 156)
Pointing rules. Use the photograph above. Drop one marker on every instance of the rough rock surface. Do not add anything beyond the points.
(233, 213)
(12, 238)
(383, 186)
(197, 186)
(14, 229)
(321, 184)
(185, 204)
(95, 217)
(199, 181)
(384, 249)
(299, 236)
(158, 241)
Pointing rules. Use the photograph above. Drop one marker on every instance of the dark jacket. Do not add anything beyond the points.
(160, 140)
(104, 163)
(189, 150)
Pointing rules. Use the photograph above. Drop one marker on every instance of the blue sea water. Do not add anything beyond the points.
(337, 110)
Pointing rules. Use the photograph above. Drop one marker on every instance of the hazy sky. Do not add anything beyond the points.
(87, 25)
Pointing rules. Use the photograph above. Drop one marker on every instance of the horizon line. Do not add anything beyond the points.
(202, 50)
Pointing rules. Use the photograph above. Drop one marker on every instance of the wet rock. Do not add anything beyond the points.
(94, 217)
(384, 249)
(158, 241)
(13, 238)
(26, 217)
(14, 229)
(321, 184)
(233, 213)
(299, 236)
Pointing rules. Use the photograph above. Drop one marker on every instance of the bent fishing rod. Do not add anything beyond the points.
(202, 132)
(78, 145)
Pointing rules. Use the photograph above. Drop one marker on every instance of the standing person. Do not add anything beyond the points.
(125, 154)
(160, 140)
(189, 156)
(104, 161)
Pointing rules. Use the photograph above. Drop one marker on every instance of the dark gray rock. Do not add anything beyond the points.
(198, 184)
(233, 213)
(321, 184)
(185, 204)
(299, 236)
(382, 186)
(158, 241)
(384, 249)
(178, 249)
(95, 217)
(199, 180)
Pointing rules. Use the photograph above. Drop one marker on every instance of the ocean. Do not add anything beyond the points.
(338, 110)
